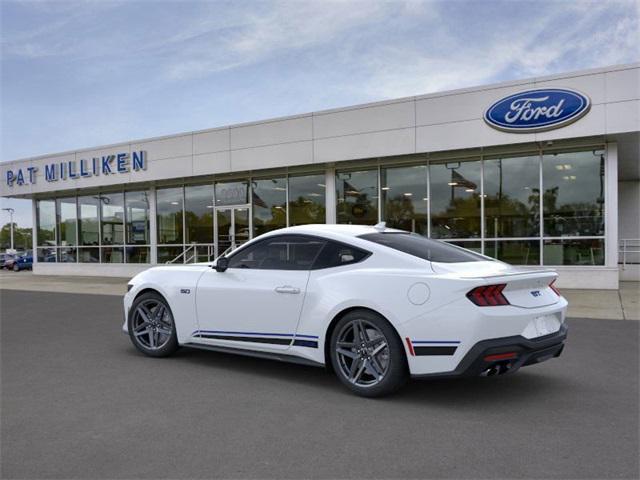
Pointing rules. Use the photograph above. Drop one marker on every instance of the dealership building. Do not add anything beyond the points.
(541, 172)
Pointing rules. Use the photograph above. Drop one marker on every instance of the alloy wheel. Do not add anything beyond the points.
(152, 324)
(362, 351)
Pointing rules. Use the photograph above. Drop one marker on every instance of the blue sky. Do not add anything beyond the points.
(80, 74)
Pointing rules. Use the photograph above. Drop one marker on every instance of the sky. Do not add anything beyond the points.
(86, 73)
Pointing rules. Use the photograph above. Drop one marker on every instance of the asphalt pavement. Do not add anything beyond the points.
(78, 401)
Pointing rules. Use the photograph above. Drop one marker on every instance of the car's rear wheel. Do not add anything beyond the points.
(151, 326)
(367, 355)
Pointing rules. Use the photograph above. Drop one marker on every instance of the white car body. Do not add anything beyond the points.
(242, 310)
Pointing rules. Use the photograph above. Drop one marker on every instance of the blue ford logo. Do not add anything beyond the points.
(537, 110)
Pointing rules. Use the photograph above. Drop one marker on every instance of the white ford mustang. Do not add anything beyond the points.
(376, 305)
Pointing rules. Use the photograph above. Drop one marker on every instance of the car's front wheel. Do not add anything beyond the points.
(367, 354)
(151, 326)
(16, 268)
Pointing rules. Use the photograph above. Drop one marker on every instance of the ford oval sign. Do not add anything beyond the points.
(537, 110)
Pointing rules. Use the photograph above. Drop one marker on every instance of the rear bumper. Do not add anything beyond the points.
(506, 355)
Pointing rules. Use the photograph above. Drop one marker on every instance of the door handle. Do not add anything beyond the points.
(287, 289)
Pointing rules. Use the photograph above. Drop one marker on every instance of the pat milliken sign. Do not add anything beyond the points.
(537, 110)
(115, 164)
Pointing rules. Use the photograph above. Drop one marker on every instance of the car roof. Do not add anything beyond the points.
(335, 231)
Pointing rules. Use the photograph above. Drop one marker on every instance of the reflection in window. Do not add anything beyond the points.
(307, 199)
(269, 199)
(405, 200)
(232, 193)
(169, 207)
(89, 255)
(137, 218)
(198, 213)
(166, 254)
(112, 254)
(574, 252)
(88, 222)
(112, 217)
(46, 222)
(67, 212)
(67, 254)
(512, 197)
(517, 252)
(455, 200)
(573, 198)
(137, 254)
(357, 195)
(473, 245)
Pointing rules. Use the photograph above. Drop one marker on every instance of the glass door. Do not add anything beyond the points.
(232, 228)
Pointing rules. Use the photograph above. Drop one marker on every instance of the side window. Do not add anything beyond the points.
(335, 254)
(279, 253)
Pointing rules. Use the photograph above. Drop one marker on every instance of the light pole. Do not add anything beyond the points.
(11, 212)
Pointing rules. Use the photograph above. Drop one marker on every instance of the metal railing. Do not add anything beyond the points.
(629, 251)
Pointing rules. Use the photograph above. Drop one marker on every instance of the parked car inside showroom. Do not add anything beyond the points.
(375, 305)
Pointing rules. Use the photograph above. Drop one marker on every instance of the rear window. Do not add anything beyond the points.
(425, 248)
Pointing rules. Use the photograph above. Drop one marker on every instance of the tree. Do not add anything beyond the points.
(21, 237)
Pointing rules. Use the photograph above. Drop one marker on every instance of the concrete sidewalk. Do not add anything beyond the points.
(623, 304)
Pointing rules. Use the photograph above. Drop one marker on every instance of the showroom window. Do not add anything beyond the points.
(307, 199)
(170, 223)
(269, 202)
(112, 227)
(198, 217)
(512, 196)
(46, 230)
(67, 215)
(507, 189)
(357, 197)
(455, 199)
(137, 236)
(405, 199)
(88, 229)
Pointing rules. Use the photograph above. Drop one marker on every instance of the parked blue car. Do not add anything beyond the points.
(23, 262)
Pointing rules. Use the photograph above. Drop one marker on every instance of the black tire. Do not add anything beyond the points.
(144, 341)
(396, 373)
(16, 268)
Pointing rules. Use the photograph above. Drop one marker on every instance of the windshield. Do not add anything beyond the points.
(425, 248)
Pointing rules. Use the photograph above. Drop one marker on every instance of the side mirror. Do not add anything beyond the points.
(222, 264)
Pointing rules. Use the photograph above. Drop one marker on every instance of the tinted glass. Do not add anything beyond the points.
(269, 199)
(279, 253)
(137, 218)
(422, 247)
(357, 194)
(169, 206)
(198, 213)
(88, 226)
(512, 197)
(573, 199)
(46, 222)
(232, 193)
(404, 198)
(67, 221)
(455, 200)
(307, 200)
(112, 219)
(335, 254)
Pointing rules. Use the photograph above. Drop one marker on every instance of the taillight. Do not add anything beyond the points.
(554, 288)
(488, 295)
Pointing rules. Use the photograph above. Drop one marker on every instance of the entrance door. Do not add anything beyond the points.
(232, 228)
